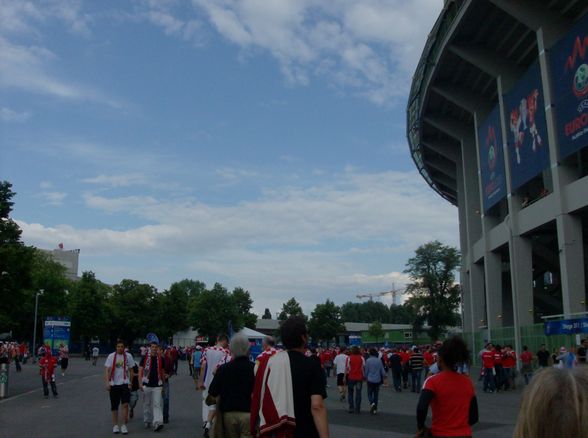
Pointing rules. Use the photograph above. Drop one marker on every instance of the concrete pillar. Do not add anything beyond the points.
(493, 281)
(569, 227)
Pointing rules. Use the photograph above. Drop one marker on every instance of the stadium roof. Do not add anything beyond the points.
(472, 42)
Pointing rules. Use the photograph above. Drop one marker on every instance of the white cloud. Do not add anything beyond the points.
(289, 240)
(369, 46)
(123, 180)
(53, 198)
(20, 16)
(8, 115)
(28, 68)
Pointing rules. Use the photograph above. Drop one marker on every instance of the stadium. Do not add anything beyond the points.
(497, 124)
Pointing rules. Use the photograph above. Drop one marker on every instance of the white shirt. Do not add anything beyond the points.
(118, 378)
(95, 351)
(340, 363)
(212, 358)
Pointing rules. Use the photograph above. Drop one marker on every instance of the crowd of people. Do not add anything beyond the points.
(281, 393)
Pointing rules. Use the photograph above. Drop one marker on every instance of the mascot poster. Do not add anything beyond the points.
(569, 70)
(526, 127)
(491, 160)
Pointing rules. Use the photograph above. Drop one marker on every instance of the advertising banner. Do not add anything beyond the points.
(56, 331)
(525, 119)
(491, 160)
(566, 326)
(569, 70)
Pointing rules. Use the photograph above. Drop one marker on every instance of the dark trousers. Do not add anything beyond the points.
(499, 377)
(328, 370)
(373, 391)
(489, 379)
(416, 380)
(354, 394)
(17, 364)
(405, 371)
(46, 387)
(397, 379)
(165, 396)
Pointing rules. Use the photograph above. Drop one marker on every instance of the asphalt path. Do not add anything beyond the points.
(83, 409)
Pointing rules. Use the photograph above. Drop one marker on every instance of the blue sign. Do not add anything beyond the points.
(567, 326)
(525, 119)
(56, 331)
(152, 337)
(354, 340)
(569, 68)
(491, 160)
(255, 346)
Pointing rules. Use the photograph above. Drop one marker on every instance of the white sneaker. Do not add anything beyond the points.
(115, 429)
(124, 430)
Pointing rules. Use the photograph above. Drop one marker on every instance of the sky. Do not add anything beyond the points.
(255, 143)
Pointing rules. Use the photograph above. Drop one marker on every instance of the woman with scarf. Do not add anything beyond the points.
(151, 378)
(47, 365)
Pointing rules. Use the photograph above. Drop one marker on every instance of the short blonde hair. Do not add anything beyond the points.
(555, 404)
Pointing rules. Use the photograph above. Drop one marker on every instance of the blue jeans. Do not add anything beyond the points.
(416, 380)
(166, 400)
(373, 390)
(354, 394)
(488, 379)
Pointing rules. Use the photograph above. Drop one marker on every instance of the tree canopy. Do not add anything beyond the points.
(433, 292)
(325, 321)
(291, 308)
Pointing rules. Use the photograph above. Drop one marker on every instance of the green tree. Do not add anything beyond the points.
(433, 292)
(267, 314)
(171, 308)
(376, 331)
(134, 313)
(325, 321)
(89, 308)
(16, 280)
(243, 304)
(402, 314)
(291, 308)
(365, 312)
(211, 311)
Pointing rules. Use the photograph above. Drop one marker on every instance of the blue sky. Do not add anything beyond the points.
(257, 143)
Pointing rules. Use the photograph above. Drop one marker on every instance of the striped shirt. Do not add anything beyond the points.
(416, 361)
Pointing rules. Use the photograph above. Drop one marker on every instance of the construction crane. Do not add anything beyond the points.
(394, 292)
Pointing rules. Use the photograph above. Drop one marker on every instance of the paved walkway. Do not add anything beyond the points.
(82, 409)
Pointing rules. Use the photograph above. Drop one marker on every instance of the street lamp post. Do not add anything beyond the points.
(34, 352)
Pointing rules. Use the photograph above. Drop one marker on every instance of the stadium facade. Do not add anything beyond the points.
(497, 124)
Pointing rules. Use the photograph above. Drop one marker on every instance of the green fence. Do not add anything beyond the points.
(533, 336)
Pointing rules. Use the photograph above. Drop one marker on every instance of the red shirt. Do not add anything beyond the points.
(355, 367)
(453, 394)
(526, 357)
(488, 359)
(404, 356)
(429, 358)
(497, 357)
(509, 360)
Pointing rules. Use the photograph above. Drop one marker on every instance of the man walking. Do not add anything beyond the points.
(118, 374)
(416, 368)
(47, 365)
(63, 358)
(212, 358)
(290, 399)
(95, 353)
(375, 375)
(340, 363)
(151, 378)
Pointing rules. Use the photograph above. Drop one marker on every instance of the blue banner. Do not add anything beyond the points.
(56, 331)
(569, 69)
(526, 123)
(491, 160)
(566, 326)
